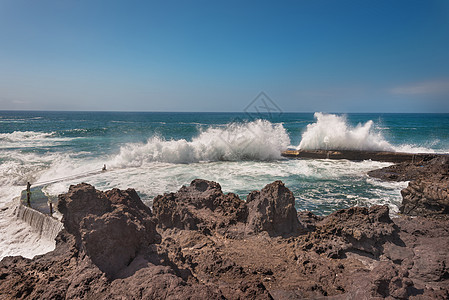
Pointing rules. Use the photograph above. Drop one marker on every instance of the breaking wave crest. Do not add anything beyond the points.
(257, 140)
(334, 132)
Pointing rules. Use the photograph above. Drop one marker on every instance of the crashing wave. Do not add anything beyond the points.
(257, 140)
(334, 132)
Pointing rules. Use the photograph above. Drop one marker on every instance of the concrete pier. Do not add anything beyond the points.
(44, 224)
(39, 200)
(357, 155)
(38, 216)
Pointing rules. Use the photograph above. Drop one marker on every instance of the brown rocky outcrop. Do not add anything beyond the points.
(272, 210)
(200, 206)
(106, 251)
(427, 192)
(110, 249)
(426, 197)
(111, 228)
(202, 244)
(356, 229)
(407, 171)
(203, 206)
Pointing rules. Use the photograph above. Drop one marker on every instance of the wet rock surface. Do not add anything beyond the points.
(427, 193)
(426, 197)
(409, 171)
(199, 243)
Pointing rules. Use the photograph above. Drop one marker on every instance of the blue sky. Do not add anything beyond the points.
(331, 56)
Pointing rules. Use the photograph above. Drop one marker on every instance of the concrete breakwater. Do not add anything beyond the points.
(357, 155)
(46, 225)
(39, 216)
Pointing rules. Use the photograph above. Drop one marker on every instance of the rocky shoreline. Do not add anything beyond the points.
(427, 192)
(199, 243)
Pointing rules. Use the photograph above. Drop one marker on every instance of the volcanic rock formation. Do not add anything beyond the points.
(200, 243)
(427, 193)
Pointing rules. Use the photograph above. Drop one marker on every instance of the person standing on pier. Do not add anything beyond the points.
(28, 194)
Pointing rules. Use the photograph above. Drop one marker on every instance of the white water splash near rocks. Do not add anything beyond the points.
(258, 140)
(17, 237)
(333, 132)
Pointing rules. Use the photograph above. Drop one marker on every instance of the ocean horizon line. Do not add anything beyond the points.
(224, 112)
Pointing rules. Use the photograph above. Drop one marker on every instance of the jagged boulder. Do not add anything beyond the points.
(203, 206)
(272, 209)
(426, 197)
(200, 206)
(81, 200)
(110, 227)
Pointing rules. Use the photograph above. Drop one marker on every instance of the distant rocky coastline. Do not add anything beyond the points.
(200, 243)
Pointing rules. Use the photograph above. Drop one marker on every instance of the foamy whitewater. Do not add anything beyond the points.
(333, 132)
(159, 152)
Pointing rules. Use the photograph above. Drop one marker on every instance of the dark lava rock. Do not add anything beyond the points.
(200, 206)
(426, 197)
(360, 253)
(407, 171)
(113, 248)
(203, 206)
(111, 228)
(427, 192)
(106, 251)
(272, 210)
(357, 229)
(308, 220)
(424, 254)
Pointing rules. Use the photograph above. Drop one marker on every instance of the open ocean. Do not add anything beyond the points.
(156, 153)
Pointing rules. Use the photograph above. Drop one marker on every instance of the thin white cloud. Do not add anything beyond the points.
(13, 100)
(435, 87)
(331, 92)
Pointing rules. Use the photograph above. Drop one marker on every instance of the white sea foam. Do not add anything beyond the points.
(335, 133)
(257, 140)
(16, 168)
(29, 139)
(409, 148)
(17, 237)
(19, 136)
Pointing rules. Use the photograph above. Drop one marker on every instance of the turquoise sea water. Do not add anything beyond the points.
(159, 152)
